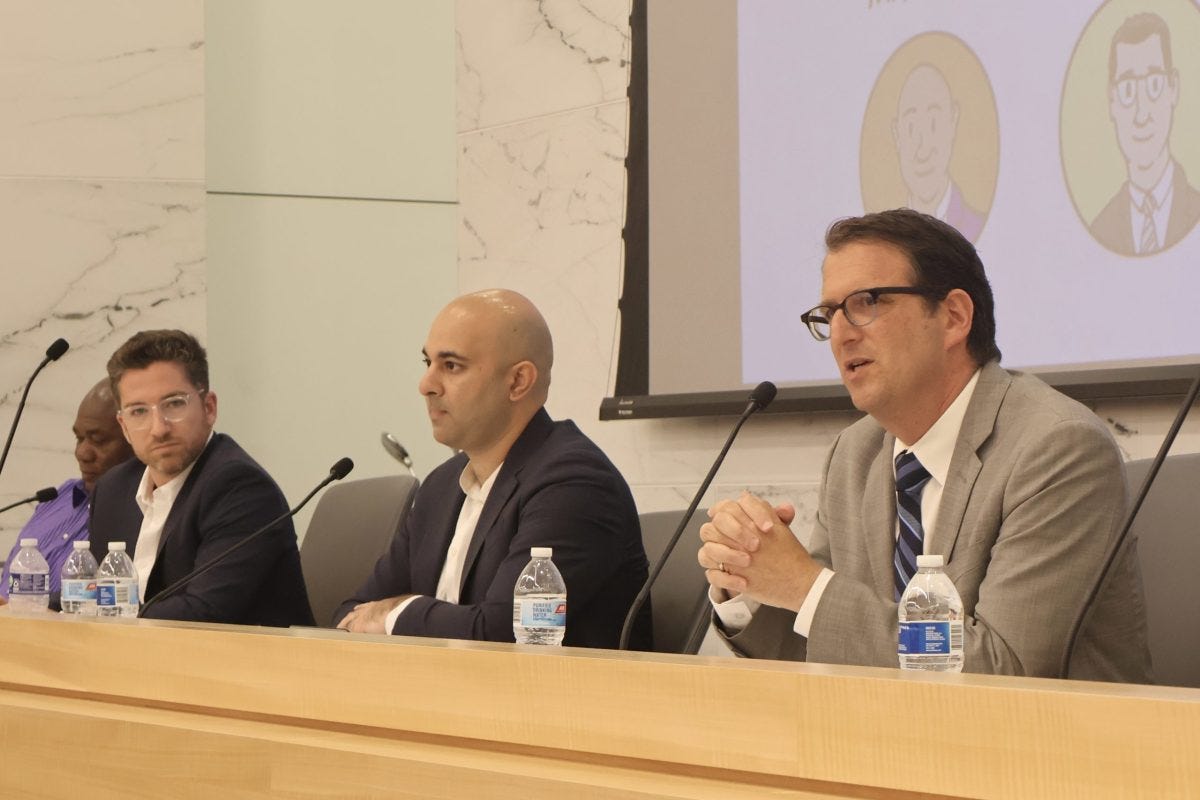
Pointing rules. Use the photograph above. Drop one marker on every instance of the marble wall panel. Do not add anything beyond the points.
(102, 89)
(521, 59)
(91, 262)
(101, 202)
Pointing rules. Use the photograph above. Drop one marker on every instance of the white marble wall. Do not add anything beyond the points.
(542, 134)
(101, 205)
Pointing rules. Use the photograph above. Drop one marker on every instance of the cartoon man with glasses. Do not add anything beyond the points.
(1156, 207)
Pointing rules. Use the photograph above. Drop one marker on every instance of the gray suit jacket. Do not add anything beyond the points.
(1034, 497)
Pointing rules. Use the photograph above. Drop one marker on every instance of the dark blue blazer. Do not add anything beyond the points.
(227, 496)
(555, 489)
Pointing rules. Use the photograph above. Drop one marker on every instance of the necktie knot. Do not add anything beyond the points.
(911, 475)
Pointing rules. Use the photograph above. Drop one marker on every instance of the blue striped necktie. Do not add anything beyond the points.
(911, 478)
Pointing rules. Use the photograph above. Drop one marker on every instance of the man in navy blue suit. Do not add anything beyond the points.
(196, 496)
(520, 480)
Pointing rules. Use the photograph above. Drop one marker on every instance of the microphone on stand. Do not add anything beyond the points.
(760, 398)
(1119, 543)
(397, 451)
(42, 496)
(53, 353)
(338, 471)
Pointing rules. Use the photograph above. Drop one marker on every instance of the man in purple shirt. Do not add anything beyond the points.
(99, 446)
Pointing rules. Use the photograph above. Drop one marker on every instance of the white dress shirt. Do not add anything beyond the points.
(156, 506)
(934, 450)
(450, 581)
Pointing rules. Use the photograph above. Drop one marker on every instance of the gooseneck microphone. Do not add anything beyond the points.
(760, 398)
(338, 471)
(1119, 542)
(397, 451)
(53, 353)
(42, 496)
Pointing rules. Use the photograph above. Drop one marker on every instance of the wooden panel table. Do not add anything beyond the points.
(162, 709)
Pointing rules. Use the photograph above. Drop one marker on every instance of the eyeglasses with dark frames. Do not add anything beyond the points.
(860, 308)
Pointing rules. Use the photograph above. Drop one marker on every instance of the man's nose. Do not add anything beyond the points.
(427, 385)
(158, 425)
(840, 328)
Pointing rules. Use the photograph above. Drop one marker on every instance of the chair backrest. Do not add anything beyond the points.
(351, 527)
(679, 597)
(1168, 531)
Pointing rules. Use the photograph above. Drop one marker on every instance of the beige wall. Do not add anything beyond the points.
(331, 205)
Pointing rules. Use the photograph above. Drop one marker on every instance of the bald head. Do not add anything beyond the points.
(488, 357)
(99, 443)
(515, 327)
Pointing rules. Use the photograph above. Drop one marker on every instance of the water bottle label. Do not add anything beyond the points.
(925, 638)
(79, 590)
(28, 583)
(543, 612)
(116, 594)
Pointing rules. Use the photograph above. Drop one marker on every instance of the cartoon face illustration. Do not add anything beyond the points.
(923, 131)
(1143, 91)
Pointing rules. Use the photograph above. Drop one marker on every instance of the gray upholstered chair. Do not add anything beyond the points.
(352, 526)
(678, 598)
(1168, 531)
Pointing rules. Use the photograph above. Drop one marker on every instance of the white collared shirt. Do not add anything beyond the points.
(156, 506)
(934, 450)
(450, 581)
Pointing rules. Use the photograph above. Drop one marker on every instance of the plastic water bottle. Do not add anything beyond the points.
(931, 620)
(116, 584)
(29, 579)
(79, 581)
(540, 601)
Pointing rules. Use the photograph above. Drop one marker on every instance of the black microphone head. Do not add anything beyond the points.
(341, 469)
(762, 395)
(47, 494)
(55, 351)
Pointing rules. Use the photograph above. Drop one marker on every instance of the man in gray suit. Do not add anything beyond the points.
(1023, 488)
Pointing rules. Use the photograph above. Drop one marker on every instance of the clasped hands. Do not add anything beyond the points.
(749, 549)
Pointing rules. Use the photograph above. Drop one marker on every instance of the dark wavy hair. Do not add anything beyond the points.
(149, 347)
(941, 258)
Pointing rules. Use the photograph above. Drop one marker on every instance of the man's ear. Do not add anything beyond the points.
(960, 313)
(522, 377)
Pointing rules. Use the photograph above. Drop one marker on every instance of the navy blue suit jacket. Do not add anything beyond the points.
(227, 496)
(555, 489)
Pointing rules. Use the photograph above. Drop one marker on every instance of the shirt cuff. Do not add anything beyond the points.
(808, 609)
(390, 622)
(734, 613)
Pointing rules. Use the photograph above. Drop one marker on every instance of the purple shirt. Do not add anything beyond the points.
(56, 525)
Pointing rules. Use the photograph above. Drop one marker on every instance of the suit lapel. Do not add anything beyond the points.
(877, 516)
(977, 426)
(504, 488)
(502, 491)
(178, 507)
(430, 557)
